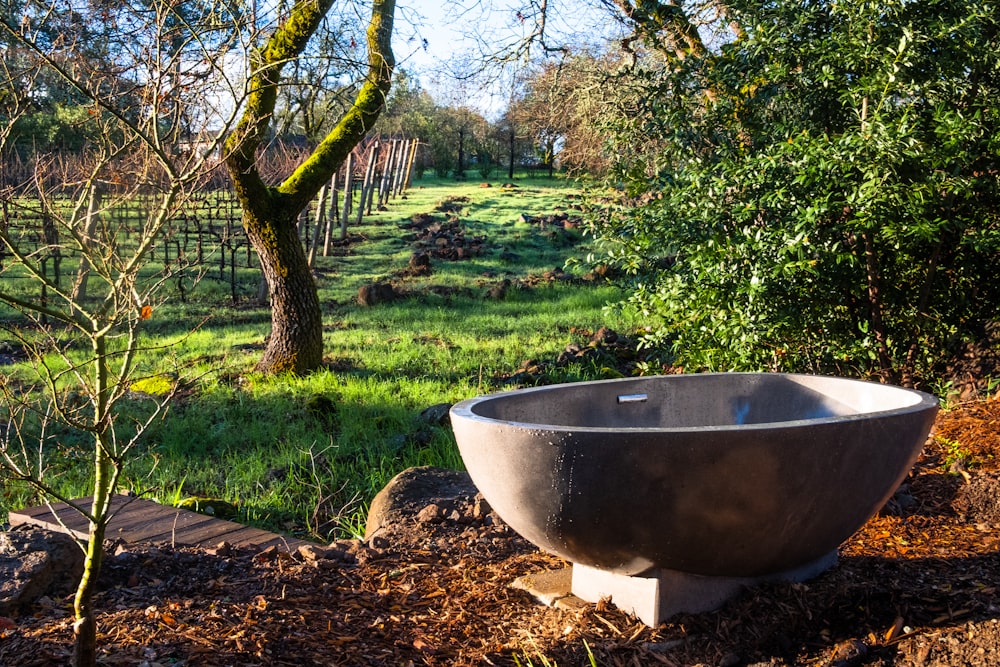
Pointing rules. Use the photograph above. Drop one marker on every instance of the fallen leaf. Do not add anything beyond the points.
(893, 632)
(421, 645)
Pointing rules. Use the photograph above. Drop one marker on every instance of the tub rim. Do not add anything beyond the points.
(922, 401)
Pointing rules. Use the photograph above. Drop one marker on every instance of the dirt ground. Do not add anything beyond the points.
(916, 586)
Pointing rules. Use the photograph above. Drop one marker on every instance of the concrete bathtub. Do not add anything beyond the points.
(686, 488)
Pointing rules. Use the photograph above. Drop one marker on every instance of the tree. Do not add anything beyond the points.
(564, 106)
(409, 110)
(820, 191)
(271, 213)
(322, 82)
(445, 130)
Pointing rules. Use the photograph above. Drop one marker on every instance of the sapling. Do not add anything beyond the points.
(139, 141)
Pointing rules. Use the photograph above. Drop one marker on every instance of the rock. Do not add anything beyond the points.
(312, 553)
(430, 513)
(222, 549)
(35, 562)
(415, 490)
(480, 508)
(437, 414)
(375, 293)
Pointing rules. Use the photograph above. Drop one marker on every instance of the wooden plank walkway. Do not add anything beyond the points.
(138, 520)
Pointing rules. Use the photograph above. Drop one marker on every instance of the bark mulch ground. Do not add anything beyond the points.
(916, 586)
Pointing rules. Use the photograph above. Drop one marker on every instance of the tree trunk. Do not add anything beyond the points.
(875, 308)
(368, 184)
(105, 481)
(510, 164)
(331, 215)
(85, 623)
(270, 212)
(296, 341)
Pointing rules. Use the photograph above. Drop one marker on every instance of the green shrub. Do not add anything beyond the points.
(822, 194)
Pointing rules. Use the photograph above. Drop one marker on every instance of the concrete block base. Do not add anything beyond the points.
(657, 595)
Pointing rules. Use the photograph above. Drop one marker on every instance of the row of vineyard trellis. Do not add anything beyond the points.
(207, 232)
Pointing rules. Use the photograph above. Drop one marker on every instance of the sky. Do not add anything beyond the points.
(431, 37)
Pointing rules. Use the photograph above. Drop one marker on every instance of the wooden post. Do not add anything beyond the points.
(397, 176)
(348, 184)
(331, 215)
(232, 274)
(4, 227)
(263, 291)
(199, 248)
(303, 225)
(414, 145)
(366, 185)
(510, 164)
(52, 247)
(383, 194)
(319, 224)
(223, 244)
(373, 161)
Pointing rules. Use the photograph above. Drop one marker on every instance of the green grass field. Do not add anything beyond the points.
(306, 455)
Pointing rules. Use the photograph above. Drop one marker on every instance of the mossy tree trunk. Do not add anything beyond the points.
(270, 212)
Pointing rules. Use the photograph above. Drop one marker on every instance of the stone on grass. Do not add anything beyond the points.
(437, 414)
(375, 293)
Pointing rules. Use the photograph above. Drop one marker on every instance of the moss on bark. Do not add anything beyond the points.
(270, 213)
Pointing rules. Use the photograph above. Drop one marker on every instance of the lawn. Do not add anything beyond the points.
(304, 455)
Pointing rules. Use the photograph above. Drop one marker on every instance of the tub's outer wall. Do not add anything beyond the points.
(743, 502)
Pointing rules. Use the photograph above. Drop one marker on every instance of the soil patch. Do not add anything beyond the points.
(443, 240)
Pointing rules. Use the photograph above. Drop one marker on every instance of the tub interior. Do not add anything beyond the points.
(714, 400)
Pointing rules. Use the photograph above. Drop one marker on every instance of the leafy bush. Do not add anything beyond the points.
(820, 193)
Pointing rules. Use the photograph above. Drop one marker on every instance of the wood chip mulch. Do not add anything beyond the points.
(917, 585)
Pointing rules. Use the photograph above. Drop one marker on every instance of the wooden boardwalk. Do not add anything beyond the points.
(141, 521)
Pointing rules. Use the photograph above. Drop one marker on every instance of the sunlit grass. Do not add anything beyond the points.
(306, 455)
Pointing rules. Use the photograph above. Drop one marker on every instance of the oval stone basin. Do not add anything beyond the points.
(720, 475)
